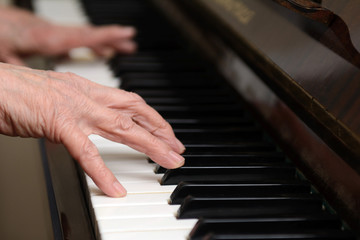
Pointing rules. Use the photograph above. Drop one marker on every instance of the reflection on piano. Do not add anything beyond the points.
(266, 109)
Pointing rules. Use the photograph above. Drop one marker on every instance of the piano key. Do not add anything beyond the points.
(193, 207)
(135, 211)
(138, 177)
(215, 121)
(145, 198)
(118, 164)
(209, 92)
(165, 78)
(191, 100)
(106, 146)
(156, 67)
(234, 110)
(148, 235)
(264, 225)
(205, 136)
(228, 148)
(228, 174)
(133, 188)
(150, 196)
(184, 189)
(231, 159)
(299, 235)
(54, 11)
(94, 70)
(145, 224)
(255, 157)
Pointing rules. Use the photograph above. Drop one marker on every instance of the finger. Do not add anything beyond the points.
(131, 104)
(85, 152)
(142, 114)
(12, 59)
(120, 128)
(124, 46)
(71, 37)
(104, 51)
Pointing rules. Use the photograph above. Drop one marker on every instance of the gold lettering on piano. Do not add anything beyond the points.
(238, 8)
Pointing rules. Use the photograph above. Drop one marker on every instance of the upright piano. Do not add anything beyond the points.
(265, 96)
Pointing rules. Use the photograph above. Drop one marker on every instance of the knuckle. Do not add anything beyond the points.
(89, 151)
(161, 125)
(90, 158)
(101, 170)
(124, 122)
(135, 97)
(153, 141)
(164, 125)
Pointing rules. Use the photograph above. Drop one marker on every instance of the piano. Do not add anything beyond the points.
(264, 95)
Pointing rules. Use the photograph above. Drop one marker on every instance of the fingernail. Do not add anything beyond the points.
(180, 146)
(129, 30)
(108, 53)
(177, 159)
(120, 190)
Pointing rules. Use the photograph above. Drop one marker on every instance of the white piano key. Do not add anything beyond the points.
(148, 235)
(130, 177)
(145, 224)
(131, 199)
(53, 10)
(123, 164)
(144, 213)
(106, 146)
(94, 70)
(135, 188)
(136, 211)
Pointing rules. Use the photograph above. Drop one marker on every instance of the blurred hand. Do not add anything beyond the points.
(22, 34)
(66, 108)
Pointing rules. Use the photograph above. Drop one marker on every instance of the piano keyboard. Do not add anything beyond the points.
(234, 180)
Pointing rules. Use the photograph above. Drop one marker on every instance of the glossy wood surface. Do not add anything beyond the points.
(215, 34)
(288, 49)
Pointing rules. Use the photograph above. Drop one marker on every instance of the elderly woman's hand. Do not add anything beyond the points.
(66, 108)
(22, 34)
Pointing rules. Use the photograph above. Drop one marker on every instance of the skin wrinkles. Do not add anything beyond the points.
(66, 108)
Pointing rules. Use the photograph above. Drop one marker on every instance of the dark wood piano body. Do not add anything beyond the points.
(295, 76)
(306, 94)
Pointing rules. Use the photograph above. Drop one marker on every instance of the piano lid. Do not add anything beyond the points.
(304, 54)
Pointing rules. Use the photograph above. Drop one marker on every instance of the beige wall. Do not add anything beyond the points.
(24, 206)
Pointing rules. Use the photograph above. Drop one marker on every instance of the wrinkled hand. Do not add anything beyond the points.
(66, 108)
(22, 34)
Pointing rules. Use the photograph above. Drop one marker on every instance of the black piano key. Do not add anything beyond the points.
(230, 159)
(174, 92)
(245, 157)
(185, 124)
(197, 77)
(153, 56)
(193, 207)
(317, 234)
(162, 83)
(227, 174)
(188, 101)
(250, 226)
(165, 59)
(185, 189)
(212, 143)
(137, 66)
(214, 136)
(230, 148)
(214, 122)
(186, 83)
(234, 110)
